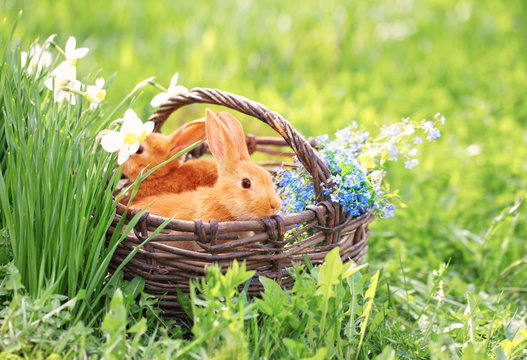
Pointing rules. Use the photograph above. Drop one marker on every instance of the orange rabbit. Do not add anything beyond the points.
(174, 176)
(244, 190)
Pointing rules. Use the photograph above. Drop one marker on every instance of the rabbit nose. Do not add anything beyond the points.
(275, 206)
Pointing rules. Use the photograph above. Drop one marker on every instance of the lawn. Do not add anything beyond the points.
(451, 264)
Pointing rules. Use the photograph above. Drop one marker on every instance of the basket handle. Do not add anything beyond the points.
(295, 140)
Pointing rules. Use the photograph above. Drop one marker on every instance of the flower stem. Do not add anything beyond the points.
(158, 85)
(81, 93)
(59, 49)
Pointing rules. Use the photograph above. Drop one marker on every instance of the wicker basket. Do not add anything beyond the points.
(277, 242)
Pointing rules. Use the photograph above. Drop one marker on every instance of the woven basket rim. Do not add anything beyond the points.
(238, 225)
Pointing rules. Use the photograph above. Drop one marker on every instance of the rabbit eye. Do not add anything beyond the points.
(246, 183)
(140, 150)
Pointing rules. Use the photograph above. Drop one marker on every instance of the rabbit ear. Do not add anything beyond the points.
(238, 136)
(221, 143)
(184, 127)
(187, 135)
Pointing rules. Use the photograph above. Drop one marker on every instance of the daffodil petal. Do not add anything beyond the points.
(49, 83)
(179, 90)
(75, 85)
(131, 123)
(133, 148)
(45, 59)
(130, 114)
(70, 47)
(159, 99)
(58, 97)
(99, 82)
(173, 81)
(65, 71)
(91, 89)
(124, 154)
(80, 52)
(112, 141)
(149, 127)
(23, 58)
(71, 98)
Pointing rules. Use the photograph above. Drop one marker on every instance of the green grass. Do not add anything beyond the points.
(53, 196)
(453, 264)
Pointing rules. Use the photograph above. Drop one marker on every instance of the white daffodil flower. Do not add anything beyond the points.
(61, 80)
(73, 54)
(127, 139)
(95, 93)
(173, 90)
(38, 56)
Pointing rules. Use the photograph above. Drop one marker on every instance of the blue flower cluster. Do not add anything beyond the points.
(355, 184)
(295, 189)
(348, 185)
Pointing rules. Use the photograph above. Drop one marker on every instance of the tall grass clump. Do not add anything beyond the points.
(5, 40)
(55, 187)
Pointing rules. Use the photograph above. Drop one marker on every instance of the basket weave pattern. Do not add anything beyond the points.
(268, 246)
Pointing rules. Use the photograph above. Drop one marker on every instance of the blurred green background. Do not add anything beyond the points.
(323, 64)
